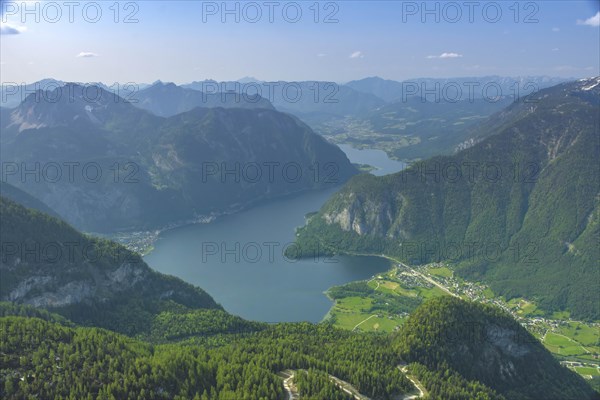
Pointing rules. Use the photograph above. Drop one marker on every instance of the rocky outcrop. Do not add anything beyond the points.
(46, 263)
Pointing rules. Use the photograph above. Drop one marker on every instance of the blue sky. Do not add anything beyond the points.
(183, 41)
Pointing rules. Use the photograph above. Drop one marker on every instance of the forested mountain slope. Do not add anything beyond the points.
(518, 210)
(481, 343)
(46, 263)
(105, 165)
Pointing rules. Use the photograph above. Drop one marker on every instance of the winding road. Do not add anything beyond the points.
(292, 391)
(364, 320)
(415, 382)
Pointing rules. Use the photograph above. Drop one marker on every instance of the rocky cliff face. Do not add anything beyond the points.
(365, 216)
(46, 263)
(51, 291)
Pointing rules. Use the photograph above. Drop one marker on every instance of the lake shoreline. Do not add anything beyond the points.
(132, 239)
(239, 258)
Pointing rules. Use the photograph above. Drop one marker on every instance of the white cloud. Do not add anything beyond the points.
(321, 55)
(555, 49)
(450, 55)
(7, 29)
(86, 54)
(357, 54)
(447, 55)
(591, 21)
(555, 29)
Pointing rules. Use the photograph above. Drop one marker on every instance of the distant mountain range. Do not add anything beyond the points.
(529, 190)
(168, 99)
(104, 164)
(309, 100)
(409, 120)
(13, 93)
(412, 119)
(319, 93)
(467, 87)
(94, 124)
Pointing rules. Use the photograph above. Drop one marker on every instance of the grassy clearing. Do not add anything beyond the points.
(369, 322)
(589, 357)
(349, 311)
(381, 324)
(348, 321)
(352, 310)
(390, 285)
(373, 283)
(385, 288)
(402, 291)
(524, 308)
(428, 293)
(489, 293)
(354, 304)
(561, 315)
(562, 345)
(527, 308)
(575, 339)
(581, 333)
(442, 271)
(587, 371)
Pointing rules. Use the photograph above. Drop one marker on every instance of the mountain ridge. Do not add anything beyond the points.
(393, 90)
(84, 147)
(168, 99)
(46, 263)
(533, 198)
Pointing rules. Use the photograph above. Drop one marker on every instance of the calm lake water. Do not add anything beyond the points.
(238, 259)
(376, 158)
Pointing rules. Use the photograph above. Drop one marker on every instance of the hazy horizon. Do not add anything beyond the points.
(185, 41)
(244, 79)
